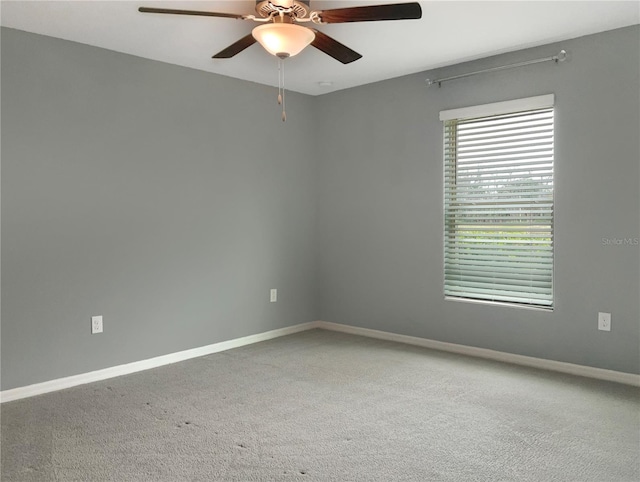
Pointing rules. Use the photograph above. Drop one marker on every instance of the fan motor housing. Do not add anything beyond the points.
(299, 8)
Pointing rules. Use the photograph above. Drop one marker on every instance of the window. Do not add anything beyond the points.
(498, 202)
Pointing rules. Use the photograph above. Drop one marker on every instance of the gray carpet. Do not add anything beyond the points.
(327, 406)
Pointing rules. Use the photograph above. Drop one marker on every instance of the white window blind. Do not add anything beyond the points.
(499, 205)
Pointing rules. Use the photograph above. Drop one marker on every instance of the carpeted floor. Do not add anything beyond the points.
(327, 406)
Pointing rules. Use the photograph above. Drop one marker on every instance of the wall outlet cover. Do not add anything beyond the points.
(604, 321)
(96, 324)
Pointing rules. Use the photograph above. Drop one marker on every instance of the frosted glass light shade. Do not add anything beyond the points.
(283, 3)
(283, 39)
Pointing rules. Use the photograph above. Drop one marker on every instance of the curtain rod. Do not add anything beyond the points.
(561, 57)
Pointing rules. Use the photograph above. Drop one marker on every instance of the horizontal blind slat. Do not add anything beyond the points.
(499, 207)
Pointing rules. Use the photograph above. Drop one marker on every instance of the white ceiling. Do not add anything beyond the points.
(448, 33)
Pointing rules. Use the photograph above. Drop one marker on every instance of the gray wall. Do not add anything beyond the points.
(381, 215)
(160, 197)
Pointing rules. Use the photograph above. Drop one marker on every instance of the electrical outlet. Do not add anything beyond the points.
(274, 296)
(604, 321)
(96, 324)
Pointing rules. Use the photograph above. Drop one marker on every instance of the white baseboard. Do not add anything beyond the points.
(72, 381)
(556, 366)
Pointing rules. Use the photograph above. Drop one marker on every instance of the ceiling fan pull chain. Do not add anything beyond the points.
(284, 114)
(279, 81)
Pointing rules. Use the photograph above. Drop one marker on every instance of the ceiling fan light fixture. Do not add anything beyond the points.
(283, 39)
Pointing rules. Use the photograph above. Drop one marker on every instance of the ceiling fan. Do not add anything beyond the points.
(281, 35)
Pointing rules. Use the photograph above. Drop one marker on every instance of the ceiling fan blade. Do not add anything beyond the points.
(236, 48)
(334, 49)
(189, 12)
(372, 13)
